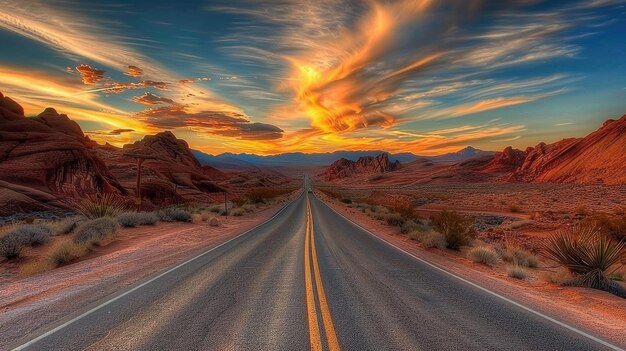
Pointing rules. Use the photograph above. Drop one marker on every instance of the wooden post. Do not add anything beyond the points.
(138, 189)
(226, 204)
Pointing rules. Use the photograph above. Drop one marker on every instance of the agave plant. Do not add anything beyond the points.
(587, 253)
(105, 205)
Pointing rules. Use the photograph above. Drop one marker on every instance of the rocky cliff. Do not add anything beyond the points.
(344, 168)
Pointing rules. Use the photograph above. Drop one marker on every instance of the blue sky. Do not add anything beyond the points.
(272, 76)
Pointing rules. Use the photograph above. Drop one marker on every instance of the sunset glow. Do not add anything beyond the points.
(266, 77)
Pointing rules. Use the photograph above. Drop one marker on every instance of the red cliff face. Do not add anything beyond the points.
(597, 158)
(47, 154)
(506, 161)
(344, 168)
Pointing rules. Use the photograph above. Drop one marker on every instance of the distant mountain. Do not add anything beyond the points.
(242, 161)
(461, 155)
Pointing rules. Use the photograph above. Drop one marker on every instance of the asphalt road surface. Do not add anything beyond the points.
(307, 279)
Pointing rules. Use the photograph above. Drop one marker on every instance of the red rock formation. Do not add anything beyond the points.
(344, 168)
(49, 154)
(599, 157)
(506, 161)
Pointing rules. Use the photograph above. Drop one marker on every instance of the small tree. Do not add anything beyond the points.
(458, 230)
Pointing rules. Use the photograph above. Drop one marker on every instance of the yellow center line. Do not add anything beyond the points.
(310, 254)
(329, 327)
(314, 332)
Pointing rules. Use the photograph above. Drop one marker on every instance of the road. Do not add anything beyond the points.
(306, 279)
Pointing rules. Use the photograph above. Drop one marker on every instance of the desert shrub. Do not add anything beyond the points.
(433, 239)
(196, 217)
(518, 256)
(67, 252)
(106, 205)
(394, 219)
(240, 201)
(457, 229)
(562, 277)
(11, 247)
(237, 212)
(588, 254)
(175, 215)
(67, 225)
(346, 200)
(515, 209)
(219, 209)
(249, 207)
(32, 234)
(133, 219)
(411, 226)
(484, 255)
(613, 226)
(428, 239)
(95, 231)
(205, 216)
(214, 222)
(516, 271)
(405, 209)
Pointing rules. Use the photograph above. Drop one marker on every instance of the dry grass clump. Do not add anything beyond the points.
(133, 219)
(429, 238)
(516, 271)
(67, 252)
(483, 254)
(518, 256)
(587, 254)
(14, 241)
(95, 231)
(218, 209)
(106, 205)
(457, 229)
(237, 212)
(175, 215)
(67, 225)
(394, 219)
(613, 226)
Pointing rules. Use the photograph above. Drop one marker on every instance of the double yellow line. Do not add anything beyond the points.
(310, 254)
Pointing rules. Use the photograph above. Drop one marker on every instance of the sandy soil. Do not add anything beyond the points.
(30, 303)
(599, 312)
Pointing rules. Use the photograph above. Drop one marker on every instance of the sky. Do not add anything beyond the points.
(273, 76)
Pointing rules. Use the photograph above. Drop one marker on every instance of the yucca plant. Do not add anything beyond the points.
(105, 205)
(587, 253)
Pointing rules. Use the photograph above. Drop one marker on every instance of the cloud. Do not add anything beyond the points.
(222, 123)
(89, 74)
(118, 87)
(113, 132)
(151, 99)
(134, 71)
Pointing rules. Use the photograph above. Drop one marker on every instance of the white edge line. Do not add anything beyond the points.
(562, 324)
(71, 321)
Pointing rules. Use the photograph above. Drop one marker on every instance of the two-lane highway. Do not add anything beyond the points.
(307, 279)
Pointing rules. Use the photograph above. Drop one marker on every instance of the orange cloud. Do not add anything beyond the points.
(89, 74)
(151, 99)
(134, 71)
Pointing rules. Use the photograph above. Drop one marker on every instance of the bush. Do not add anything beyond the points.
(433, 239)
(95, 231)
(613, 226)
(394, 219)
(32, 234)
(249, 208)
(219, 209)
(587, 254)
(346, 201)
(484, 255)
(516, 271)
(237, 212)
(214, 222)
(428, 239)
(519, 257)
(11, 247)
(411, 226)
(515, 209)
(67, 252)
(35, 267)
(133, 219)
(67, 225)
(457, 229)
(175, 215)
(106, 205)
